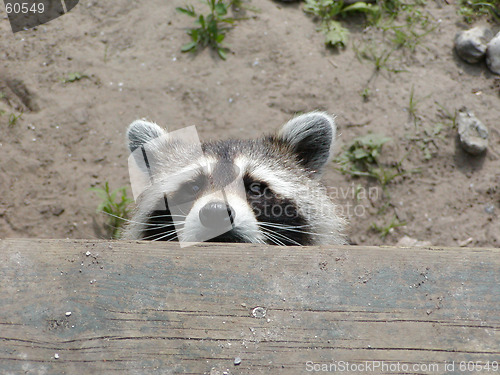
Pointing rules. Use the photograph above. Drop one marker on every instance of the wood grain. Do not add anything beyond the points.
(154, 308)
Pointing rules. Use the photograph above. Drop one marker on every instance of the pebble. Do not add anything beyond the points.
(471, 44)
(489, 209)
(56, 210)
(472, 132)
(68, 313)
(493, 54)
(406, 241)
(237, 361)
(465, 242)
(81, 115)
(259, 312)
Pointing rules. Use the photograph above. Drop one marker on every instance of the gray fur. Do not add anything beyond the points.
(141, 131)
(312, 137)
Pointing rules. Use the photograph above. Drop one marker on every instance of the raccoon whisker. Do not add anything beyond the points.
(136, 222)
(157, 236)
(279, 236)
(151, 237)
(273, 239)
(282, 236)
(166, 225)
(170, 229)
(292, 229)
(162, 238)
(167, 216)
(283, 226)
(167, 234)
(173, 235)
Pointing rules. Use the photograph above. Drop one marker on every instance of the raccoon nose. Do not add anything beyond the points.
(216, 215)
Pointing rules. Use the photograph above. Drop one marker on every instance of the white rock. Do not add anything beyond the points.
(472, 132)
(471, 44)
(406, 241)
(493, 54)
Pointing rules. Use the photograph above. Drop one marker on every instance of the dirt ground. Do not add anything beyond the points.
(71, 135)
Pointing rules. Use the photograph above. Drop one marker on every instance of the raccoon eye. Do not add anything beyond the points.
(192, 188)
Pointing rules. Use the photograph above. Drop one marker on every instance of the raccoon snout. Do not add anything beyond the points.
(216, 215)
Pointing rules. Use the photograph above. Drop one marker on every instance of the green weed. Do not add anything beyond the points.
(384, 231)
(366, 94)
(361, 159)
(448, 115)
(210, 31)
(427, 138)
(73, 77)
(13, 118)
(413, 104)
(380, 59)
(240, 4)
(116, 205)
(329, 11)
(471, 10)
(406, 24)
(407, 37)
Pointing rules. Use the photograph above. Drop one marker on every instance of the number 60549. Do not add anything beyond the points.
(24, 8)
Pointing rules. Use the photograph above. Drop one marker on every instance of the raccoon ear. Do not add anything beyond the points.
(312, 138)
(140, 132)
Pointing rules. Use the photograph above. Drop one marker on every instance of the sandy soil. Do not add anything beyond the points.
(71, 135)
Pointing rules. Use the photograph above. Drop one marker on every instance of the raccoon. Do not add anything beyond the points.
(265, 190)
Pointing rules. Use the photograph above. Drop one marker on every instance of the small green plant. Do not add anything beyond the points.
(407, 37)
(73, 77)
(390, 7)
(448, 115)
(362, 155)
(240, 4)
(384, 231)
(13, 118)
(405, 23)
(413, 104)
(105, 53)
(116, 205)
(380, 59)
(210, 31)
(328, 11)
(366, 93)
(361, 159)
(427, 138)
(471, 10)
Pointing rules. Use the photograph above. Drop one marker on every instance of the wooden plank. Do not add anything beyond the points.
(154, 308)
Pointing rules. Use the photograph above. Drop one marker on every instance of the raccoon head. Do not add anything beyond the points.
(263, 191)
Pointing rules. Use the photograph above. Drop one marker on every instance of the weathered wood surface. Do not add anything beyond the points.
(154, 308)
